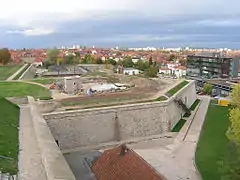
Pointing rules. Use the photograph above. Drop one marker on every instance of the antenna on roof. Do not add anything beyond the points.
(124, 149)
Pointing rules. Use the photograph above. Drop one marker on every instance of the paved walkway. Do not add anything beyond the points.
(176, 161)
(16, 73)
(30, 162)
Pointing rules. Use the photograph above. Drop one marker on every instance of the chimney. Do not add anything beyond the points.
(124, 149)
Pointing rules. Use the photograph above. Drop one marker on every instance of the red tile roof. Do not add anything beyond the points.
(112, 165)
(164, 69)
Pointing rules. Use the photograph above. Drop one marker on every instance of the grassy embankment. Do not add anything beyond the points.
(7, 71)
(215, 155)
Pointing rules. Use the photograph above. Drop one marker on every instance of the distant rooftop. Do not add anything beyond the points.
(129, 69)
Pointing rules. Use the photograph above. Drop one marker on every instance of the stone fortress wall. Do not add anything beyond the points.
(95, 127)
(46, 161)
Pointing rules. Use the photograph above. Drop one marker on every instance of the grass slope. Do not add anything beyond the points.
(44, 80)
(194, 105)
(21, 89)
(7, 71)
(213, 156)
(21, 72)
(179, 125)
(174, 90)
(9, 115)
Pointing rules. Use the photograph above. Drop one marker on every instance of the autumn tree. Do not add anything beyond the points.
(99, 60)
(5, 56)
(150, 61)
(172, 57)
(234, 116)
(68, 59)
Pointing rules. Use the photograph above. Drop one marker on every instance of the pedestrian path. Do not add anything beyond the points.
(176, 161)
(30, 161)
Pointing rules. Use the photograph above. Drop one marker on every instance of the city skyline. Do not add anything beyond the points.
(124, 23)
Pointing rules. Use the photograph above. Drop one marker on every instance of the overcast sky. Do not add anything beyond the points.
(124, 23)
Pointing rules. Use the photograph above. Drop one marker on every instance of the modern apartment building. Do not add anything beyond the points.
(212, 65)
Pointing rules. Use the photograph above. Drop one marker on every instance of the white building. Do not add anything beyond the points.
(174, 69)
(135, 60)
(131, 71)
(38, 63)
(179, 71)
(164, 71)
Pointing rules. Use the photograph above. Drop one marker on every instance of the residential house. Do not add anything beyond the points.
(38, 62)
(180, 71)
(131, 71)
(164, 71)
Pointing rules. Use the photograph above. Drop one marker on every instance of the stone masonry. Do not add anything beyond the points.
(91, 127)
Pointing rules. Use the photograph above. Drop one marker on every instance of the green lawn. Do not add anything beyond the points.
(21, 72)
(214, 157)
(7, 71)
(194, 105)
(44, 80)
(179, 125)
(21, 89)
(174, 90)
(9, 115)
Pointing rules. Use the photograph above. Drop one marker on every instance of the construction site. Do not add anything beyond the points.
(106, 88)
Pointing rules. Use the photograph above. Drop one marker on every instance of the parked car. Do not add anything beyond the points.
(202, 93)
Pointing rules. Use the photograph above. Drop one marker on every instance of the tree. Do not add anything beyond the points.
(150, 61)
(127, 62)
(142, 65)
(207, 88)
(5, 56)
(234, 116)
(111, 61)
(52, 55)
(236, 96)
(234, 128)
(99, 60)
(152, 71)
(68, 59)
(172, 57)
(59, 61)
(118, 53)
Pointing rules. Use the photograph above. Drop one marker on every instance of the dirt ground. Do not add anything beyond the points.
(144, 89)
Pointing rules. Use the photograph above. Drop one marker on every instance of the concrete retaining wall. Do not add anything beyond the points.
(54, 163)
(91, 127)
(47, 106)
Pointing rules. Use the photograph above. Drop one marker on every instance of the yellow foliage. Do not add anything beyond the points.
(233, 132)
(236, 96)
